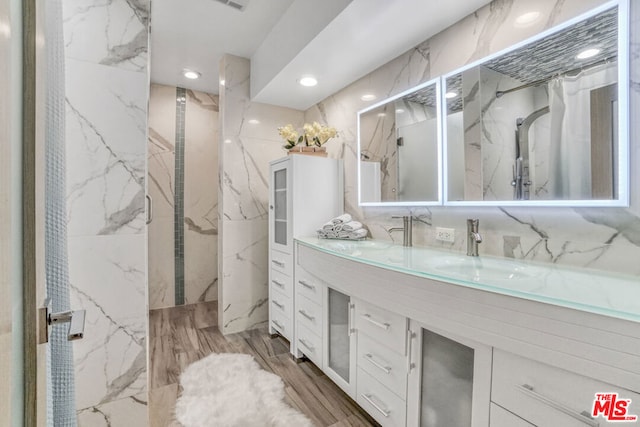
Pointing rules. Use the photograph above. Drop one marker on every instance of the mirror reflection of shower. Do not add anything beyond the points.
(521, 177)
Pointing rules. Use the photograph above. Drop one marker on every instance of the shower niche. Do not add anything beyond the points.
(543, 122)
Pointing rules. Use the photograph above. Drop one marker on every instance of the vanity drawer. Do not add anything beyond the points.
(384, 326)
(282, 323)
(310, 344)
(282, 262)
(548, 396)
(281, 282)
(309, 286)
(309, 314)
(280, 302)
(500, 417)
(382, 404)
(384, 364)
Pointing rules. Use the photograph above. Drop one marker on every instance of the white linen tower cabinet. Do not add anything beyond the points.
(304, 192)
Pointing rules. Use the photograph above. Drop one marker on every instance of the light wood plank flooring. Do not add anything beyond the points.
(181, 335)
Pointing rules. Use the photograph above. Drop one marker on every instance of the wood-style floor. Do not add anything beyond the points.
(181, 335)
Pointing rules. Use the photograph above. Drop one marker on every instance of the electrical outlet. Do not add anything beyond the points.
(445, 234)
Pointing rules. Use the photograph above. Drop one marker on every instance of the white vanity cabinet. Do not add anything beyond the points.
(304, 193)
(436, 353)
(449, 379)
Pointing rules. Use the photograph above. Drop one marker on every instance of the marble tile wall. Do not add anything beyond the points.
(160, 186)
(244, 153)
(106, 46)
(200, 196)
(601, 238)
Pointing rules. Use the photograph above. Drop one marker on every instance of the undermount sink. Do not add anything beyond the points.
(481, 269)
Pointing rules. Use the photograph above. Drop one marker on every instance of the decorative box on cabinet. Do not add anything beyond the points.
(304, 193)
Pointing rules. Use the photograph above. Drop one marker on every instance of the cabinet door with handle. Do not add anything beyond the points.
(280, 206)
(449, 379)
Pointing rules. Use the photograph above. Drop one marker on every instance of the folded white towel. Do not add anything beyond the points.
(343, 234)
(358, 234)
(328, 226)
(352, 226)
(341, 219)
(338, 227)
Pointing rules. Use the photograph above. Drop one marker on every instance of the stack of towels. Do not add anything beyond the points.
(343, 227)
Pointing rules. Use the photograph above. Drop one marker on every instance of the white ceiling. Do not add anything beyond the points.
(338, 41)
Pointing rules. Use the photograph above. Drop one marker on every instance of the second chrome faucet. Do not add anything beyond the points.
(407, 228)
(473, 237)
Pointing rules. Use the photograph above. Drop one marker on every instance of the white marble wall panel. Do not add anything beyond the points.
(108, 32)
(130, 411)
(106, 150)
(601, 238)
(245, 275)
(249, 140)
(111, 358)
(106, 45)
(161, 188)
(201, 198)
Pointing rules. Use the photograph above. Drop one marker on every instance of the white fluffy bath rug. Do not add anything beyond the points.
(231, 390)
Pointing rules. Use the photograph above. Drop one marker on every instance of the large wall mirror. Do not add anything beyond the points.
(544, 123)
(399, 143)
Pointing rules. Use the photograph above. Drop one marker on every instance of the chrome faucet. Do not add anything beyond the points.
(473, 237)
(407, 229)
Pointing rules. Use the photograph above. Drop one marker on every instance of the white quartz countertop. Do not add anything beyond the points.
(582, 289)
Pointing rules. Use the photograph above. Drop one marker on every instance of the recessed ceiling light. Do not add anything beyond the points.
(588, 53)
(399, 111)
(450, 95)
(368, 97)
(190, 74)
(254, 122)
(227, 141)
(308, 81)
(222, 82)
(382, 114)
(527, 18)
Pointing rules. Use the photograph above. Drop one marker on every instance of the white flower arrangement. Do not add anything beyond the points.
(312, 134)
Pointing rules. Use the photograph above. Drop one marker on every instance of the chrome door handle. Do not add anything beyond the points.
(583, 416)
(278, 284)
(385, 369)
(368, 398)
(75, 319)
(306, 285)
(308, 316)
(380, 325)
(150, 209)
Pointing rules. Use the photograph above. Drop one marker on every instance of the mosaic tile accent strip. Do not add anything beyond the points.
(178, 213)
